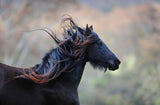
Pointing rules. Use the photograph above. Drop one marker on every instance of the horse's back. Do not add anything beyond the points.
(9, 73)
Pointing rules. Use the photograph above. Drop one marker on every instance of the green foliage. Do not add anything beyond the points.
(100, 82)
(157, 101)
(131, 60)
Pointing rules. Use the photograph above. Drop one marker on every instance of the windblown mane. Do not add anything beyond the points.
(66, 56)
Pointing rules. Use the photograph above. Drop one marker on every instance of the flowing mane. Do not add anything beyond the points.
(65, 57)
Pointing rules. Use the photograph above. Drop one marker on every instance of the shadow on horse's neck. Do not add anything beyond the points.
(70, 76)
(75, 75)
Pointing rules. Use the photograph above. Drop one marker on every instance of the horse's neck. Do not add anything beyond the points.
(71, 78)
(76, 74)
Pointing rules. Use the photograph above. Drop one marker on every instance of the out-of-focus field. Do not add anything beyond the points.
(130, 28)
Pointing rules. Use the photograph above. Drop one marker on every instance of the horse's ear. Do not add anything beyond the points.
(91, 27)
(87, 27)
(88, 30)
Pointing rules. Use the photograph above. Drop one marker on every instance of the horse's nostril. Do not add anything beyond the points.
(117, 62)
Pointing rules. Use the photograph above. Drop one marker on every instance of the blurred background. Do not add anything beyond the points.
(130, 28)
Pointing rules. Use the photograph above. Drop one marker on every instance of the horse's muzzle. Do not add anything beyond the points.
(113, 64)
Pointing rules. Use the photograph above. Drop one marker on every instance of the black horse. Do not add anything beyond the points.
(55, 80)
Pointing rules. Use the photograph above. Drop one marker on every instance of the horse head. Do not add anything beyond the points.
(98, 54)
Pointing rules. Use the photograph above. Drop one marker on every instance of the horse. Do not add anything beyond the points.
(55, 80)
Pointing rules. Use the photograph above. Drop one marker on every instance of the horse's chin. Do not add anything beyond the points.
(110, 68)
(113, 68)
